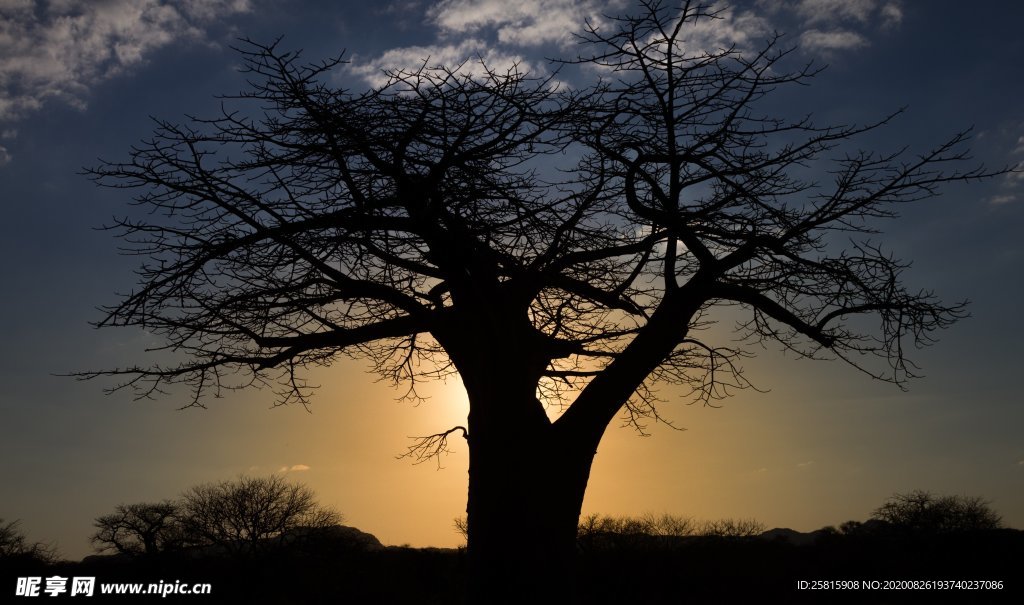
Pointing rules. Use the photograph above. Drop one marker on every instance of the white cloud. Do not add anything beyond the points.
(8, 134)
(815, 40)
(496, 30)
(830, 12)
(892, 14)
(537, 22)
(212, 10)
(523, 23)
(472, 54)
(1013, 179)
(805, 464)
(61, 48)
(835, 25)
(745, 31)
(295, 468)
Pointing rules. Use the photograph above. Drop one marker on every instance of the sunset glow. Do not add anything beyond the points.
(816, 443)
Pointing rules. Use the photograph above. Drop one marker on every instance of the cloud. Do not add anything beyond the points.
(498, 32)
(494, 32)
(472, 54)
(830, 11)
(295, 468)
(1013, 179)
(815, 40)
(1000, 200)
(478, 33)
(58, 50)
(812, 13)
(805, 464)
(5, 156)
(524, 23)
(892, 14)
(402, 15)
(836, 25)
(537, 22)
(744, 31)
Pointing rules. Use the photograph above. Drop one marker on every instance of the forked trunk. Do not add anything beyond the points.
(527, 475)
(525, 494)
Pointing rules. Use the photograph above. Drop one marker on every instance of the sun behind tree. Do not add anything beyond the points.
(409, 224)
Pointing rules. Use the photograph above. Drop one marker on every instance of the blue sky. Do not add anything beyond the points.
(79, 81)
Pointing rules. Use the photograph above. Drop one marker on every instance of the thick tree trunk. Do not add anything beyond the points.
(527, 476)
(526, 489)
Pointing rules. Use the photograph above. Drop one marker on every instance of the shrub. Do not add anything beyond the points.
(922, 511)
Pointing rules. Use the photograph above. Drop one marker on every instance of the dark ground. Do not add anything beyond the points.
(611, 569)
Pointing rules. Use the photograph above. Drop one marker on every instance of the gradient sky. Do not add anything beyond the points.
(79, 80)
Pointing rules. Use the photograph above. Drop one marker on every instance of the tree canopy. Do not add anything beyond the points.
(925, 512)
(377, 223)
(247, 515)
(141, 528)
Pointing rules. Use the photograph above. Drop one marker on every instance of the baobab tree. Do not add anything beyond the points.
(418, 224)
(140, 529)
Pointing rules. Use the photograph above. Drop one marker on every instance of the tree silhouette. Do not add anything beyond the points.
(137, 529)
(15, 549)
(924, 512)
(421, 224)
(253, 515)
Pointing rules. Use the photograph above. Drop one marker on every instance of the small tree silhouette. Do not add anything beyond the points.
(924, 512)
(136, 529)
(16, 549)
(252, 515)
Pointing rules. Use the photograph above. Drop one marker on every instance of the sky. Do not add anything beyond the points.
(81, 80)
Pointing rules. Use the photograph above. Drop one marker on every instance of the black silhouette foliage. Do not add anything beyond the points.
(252, 515)
(925, 512)
(15, 547)
(142, 528)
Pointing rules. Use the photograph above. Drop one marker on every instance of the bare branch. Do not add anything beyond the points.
(432, 446)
